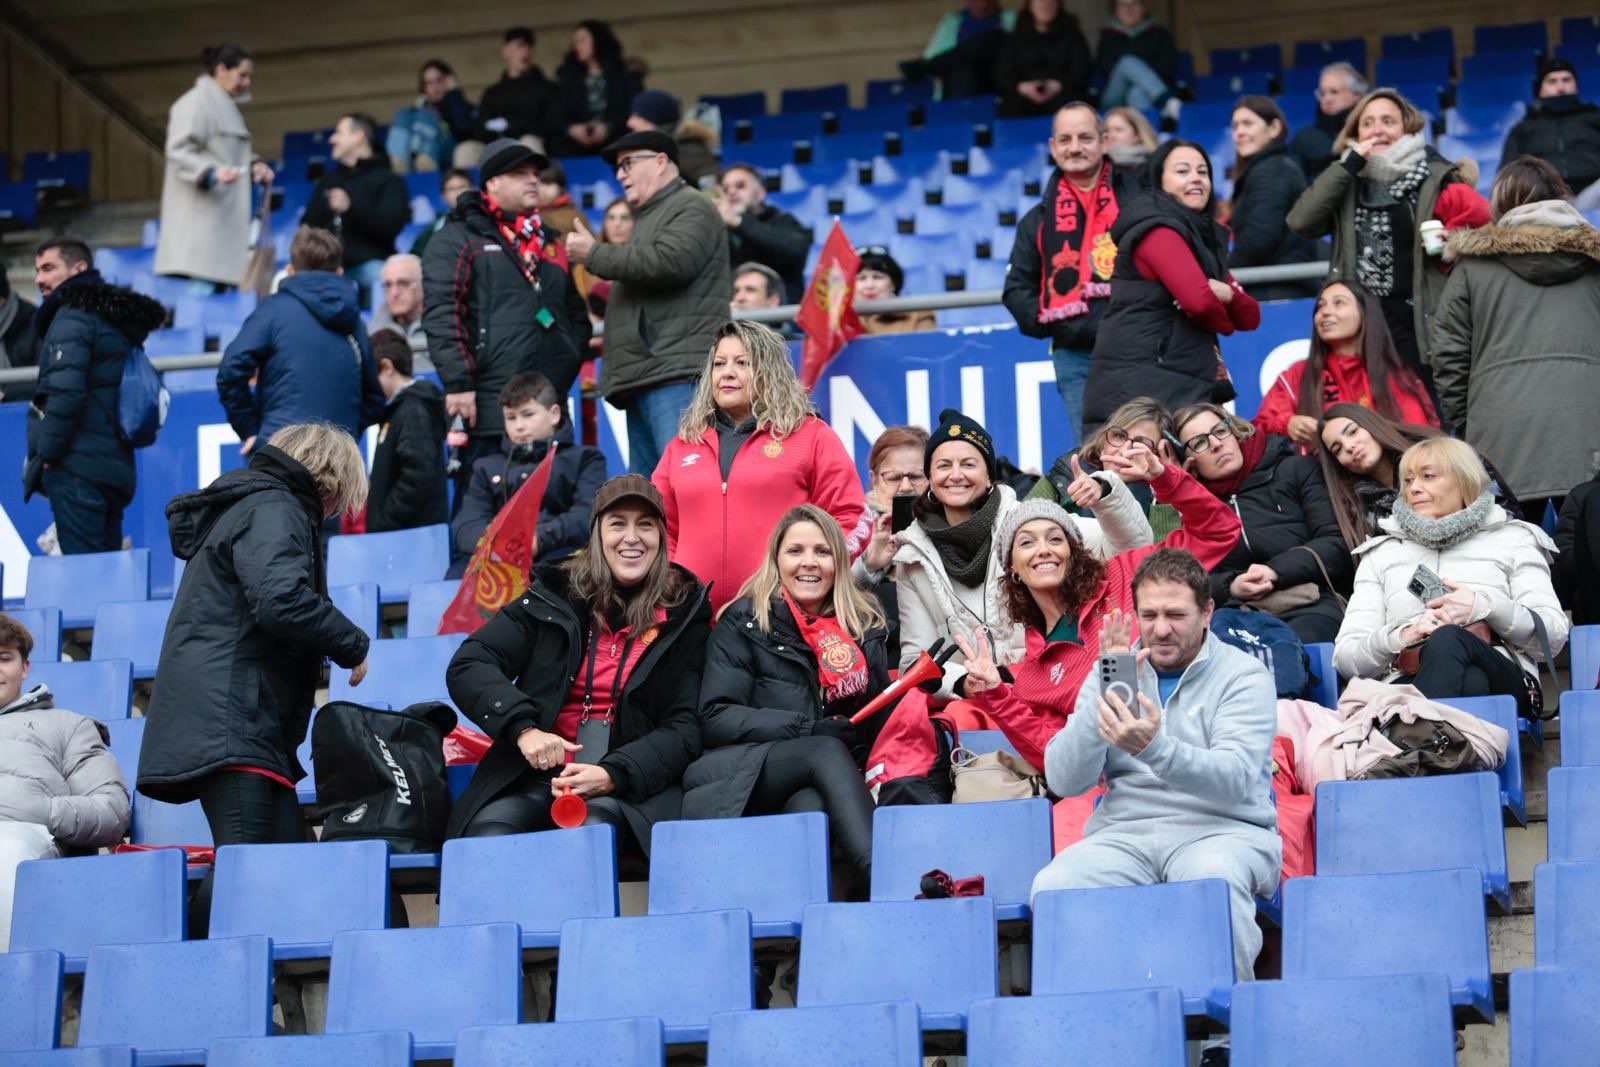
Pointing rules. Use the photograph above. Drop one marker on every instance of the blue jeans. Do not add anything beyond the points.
(418, 132)
(653, 422)
(1072, 373)
(88, 518)
(1133, 84)
(365, 276)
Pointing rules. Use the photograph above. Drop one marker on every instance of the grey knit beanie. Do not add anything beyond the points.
(1025, 512)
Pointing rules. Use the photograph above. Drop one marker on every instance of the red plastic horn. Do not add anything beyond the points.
(568, 810)
(925, 669)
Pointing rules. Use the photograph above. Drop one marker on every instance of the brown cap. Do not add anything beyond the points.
(627, 487)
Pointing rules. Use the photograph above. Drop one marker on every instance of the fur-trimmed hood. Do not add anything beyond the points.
(1546, 243)
(133, 314)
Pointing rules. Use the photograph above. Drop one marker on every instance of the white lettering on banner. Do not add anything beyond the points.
(919, 409)
(849, 411)
(372, 444)
(972, 395)
(617, 419)
(1281, 359)
(209, 439)
(1031, 375)
(14, 555)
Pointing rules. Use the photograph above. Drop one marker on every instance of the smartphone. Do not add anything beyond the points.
(1119, 674)
(901, 515)
(1425, 585)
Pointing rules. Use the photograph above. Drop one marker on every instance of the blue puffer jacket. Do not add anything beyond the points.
(310, 349)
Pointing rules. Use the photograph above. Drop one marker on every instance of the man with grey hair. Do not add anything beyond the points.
(1338, 90)
(401, 310)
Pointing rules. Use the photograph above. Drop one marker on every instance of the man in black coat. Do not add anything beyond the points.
(361, 201)
(18, 341)
(759, 232)
(1339, 88)
(498, 299)
(1559, 128)
(523, 103)
(76, 454)
(408, 486)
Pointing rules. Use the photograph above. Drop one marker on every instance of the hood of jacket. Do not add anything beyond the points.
(190, 516)
(1545, 243)
(329, 297)
(132, 314)
(36, 699)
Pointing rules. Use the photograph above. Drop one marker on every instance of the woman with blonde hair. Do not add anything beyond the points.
(750, 446)
(789, 662)
(250, 626)
(1129, 139)
(1483, 630)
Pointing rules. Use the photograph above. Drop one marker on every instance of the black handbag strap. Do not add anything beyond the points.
(1548, 661)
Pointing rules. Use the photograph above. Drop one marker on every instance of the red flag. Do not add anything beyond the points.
(498, 572)
(827, 314)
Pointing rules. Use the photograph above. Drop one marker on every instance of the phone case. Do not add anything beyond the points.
(1119, 675)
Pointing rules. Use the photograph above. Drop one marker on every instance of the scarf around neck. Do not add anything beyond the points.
(1439, 534)
(964, 548)
(1253, 448)
(525, 234)
(1075, 247)
(1391, 182)
(841, 667)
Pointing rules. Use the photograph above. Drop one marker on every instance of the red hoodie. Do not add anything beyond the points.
(1344, 381)
(1045, 688)
(719, 530)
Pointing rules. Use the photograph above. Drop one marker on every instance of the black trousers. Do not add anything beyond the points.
(819, 774)
(1457, 663)
(525, 808)
(243, 809)
(88, 517)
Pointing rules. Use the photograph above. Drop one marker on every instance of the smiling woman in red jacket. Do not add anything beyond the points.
(1352, 360)
(750, 447)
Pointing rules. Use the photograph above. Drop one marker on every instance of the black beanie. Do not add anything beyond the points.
(1551, 66)
(954, 426)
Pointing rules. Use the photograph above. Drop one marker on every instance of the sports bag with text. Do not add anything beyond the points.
(381, 774)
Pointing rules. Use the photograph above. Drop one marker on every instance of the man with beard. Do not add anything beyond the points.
(1059, 280)
(1187, 770)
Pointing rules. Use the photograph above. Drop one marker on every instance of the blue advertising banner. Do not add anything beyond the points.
(994, 374)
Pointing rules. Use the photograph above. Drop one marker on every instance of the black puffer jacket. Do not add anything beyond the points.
(1263, 193)
(759, 688)
(379, 208)
(774, 238)
(408, 478)
(482, 312)
(576, 476)
(516, 671)
(1284, 508)
(1027, 55)
(1312, 146)
(528, 104)
(249, 628)
(1564, 131)
(86, 329)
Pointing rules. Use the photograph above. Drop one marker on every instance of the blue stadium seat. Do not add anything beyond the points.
(1580, 724)
(1264, 59)
(1325, 679)
(1518, 63)
(899, 199)
(882, 92)
(72, 905)
(170, 1001)
(974, 222)
(941, 954)
(1512, 37)
(612, 968)
(431, 982)
(1333, 927)
(1581, 30)
(1392, 1019)
(1007, 842)
(1451, 821)
(924, 277)
(401, 671)
(635, 1042)
(306, 143)
(772, 866)
(65, 171)
(1553, 1021)
(1300, 81)
(1127, 1027)
(766, 156)
(1488, 120)
(537, 881)
(831, 176)
(1583, 642)
(793, 127)
(18, 204)
(981, 741)
(1027, 132)
(80, 584)
(30, 1000)
(1001, 188)
(948, 252)
(1566, 897)
(176, 341)
(154, 822)
(382, 1048)
(425, 605)
(884, 1035)
(44, 625)
(1316, 54)
(809, 204)
(821, 98)
(1225, 88)
(1502, 711)
(1131, 937)
(394, 560)
(870, 227)
(133, 631)
(1573, 832)
(1413, 67)
(1031, 161)
(872, 119)
(985, 316)
(930, 167)
(359, 604)
(1491, 92)
(738, 105)
(857, 147)
(101, 1056)
(300, 895)
(963, 111)
(1440, 41)
(122, 265)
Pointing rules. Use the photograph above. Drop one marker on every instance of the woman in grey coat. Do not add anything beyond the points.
(1516, 337)
(205, 197)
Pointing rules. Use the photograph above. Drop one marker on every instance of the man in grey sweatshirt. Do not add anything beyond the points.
(1188, 771)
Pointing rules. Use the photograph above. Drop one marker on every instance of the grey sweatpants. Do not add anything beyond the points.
(1248, 859)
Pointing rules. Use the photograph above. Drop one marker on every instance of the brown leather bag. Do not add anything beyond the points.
(1410, 659)
(1427, 747)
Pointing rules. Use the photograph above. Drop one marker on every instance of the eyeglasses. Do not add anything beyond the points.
(1200, 444)
(912, 478)
(400, 283)
(627, 164)
(1117, 438)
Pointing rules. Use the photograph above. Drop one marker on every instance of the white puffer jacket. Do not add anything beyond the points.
(1506, 563)
(933, 606)
(55, 770)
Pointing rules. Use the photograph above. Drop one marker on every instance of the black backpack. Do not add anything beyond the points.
(380, 774)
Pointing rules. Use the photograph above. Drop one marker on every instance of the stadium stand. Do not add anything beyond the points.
(773, 866)
(537, 881)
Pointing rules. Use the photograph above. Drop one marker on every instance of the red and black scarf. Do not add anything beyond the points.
(841, 668)
(1075, 247)
(525, 235)
(1252, 448)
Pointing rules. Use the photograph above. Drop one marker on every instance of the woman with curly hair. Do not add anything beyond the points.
(750, 447)
(1061, 595)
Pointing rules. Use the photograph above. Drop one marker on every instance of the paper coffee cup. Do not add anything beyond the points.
(1432, 237)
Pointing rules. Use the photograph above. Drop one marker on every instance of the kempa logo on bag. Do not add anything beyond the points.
(402, 788)
(357, 815)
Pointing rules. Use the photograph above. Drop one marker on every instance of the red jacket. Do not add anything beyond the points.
(1045, 687)
(719, 530)
(1344, 381)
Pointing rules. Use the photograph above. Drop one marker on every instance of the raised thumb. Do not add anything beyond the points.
(1077, 468)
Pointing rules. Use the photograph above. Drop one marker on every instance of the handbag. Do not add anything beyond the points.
(993, 776)
(381, 774)
(1281, 601)
(1410, 659)
(1427, 747)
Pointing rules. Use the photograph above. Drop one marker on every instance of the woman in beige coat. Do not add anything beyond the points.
(205, 199)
